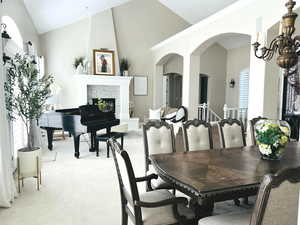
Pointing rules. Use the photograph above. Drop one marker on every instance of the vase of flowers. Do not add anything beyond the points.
(271, 137)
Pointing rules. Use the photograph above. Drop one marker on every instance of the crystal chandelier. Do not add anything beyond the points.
(284, 44)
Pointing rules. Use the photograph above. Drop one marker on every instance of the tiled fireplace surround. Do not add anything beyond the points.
(95, 86)
(105, 91)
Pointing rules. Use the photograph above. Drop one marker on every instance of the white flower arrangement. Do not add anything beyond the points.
(271, 138)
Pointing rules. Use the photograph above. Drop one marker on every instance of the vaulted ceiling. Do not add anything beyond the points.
(51, 14)
(195, 10)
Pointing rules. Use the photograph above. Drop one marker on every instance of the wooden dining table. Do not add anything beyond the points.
(217, 175)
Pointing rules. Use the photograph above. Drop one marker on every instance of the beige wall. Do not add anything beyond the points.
(131, 29)
(140, 24)
(61, 46)
(174, 65)
(238, 60)
(213, 62)
(17, 11)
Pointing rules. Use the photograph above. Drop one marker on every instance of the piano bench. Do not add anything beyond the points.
(105, 137)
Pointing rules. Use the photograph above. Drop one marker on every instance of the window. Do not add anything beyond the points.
(19, 135)
(244, 89)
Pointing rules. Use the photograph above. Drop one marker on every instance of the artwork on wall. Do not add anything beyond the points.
(104, 62)
(140, 85)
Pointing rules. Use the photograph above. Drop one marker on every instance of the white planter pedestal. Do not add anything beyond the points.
(29, 165)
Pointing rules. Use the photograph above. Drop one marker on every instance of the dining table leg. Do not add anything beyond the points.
(204, 209)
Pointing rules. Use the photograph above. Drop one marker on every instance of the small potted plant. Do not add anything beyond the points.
(124, 67)
(25, 96)
(79, 64)
(271, 137)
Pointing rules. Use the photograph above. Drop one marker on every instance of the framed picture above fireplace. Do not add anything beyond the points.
(104, 62)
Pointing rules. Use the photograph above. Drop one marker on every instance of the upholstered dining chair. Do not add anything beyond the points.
(158, 138)
(157, 207)
(197, 135)
(252, 127)
(277, 203)
(232, 136)
(232, 133)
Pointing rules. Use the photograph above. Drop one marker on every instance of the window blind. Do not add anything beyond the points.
(244, 89)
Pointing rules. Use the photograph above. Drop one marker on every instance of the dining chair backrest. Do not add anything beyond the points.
(252, 127)
(197, 135)
(278, 199)
(127, 180)
(158, 138)
(232, 133)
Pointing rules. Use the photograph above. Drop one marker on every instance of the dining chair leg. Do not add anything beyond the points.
(124, 216)
(122, 141)
(22, 182)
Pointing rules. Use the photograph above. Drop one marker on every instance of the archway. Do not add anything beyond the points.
(168, 81)
(222, 58)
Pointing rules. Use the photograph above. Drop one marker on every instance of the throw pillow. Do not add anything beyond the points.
(154, 114)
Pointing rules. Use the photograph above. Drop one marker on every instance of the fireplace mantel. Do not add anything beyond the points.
(123, 82)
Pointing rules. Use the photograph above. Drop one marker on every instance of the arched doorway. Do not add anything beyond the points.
(222, 59)
(169, 81)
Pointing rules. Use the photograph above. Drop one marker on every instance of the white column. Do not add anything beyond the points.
(256, 83)
(124, 101)
(158, 86)
(190, 84)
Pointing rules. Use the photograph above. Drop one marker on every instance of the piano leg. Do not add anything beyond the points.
(93, 141)
(50, 137)
(76, 138)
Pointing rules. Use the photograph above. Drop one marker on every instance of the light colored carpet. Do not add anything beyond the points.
(79, 191)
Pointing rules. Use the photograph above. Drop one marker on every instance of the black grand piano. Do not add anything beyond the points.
(78, 121)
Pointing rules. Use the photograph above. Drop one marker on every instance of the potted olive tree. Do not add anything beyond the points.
(25, 95)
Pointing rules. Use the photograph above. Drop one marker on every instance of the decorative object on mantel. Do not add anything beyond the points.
(271, 137)
(25, 96)
(284, 44)
(232, 83)
(124, 67)
(104, 62)
(140, 85)
(78, 64)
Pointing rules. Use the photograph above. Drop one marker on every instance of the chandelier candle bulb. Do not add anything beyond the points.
(280, 27)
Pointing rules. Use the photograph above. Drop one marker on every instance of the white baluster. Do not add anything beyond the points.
(225, 111)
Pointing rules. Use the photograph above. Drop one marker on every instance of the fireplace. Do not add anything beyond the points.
(117, 87)
(105, 104)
